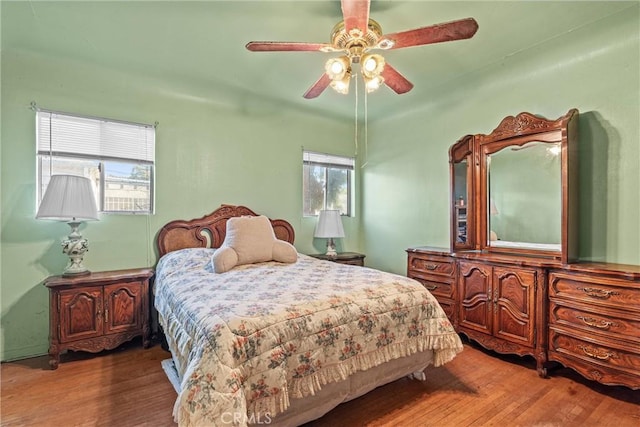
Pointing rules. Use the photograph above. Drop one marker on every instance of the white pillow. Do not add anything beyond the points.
(250, 239)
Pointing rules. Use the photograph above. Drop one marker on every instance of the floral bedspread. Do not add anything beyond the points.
(247, 341)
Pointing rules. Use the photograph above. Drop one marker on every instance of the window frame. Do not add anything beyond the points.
(99, 157)
(329, 161)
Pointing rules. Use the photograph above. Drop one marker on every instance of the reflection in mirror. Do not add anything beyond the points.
(461, 197)
(525, 204)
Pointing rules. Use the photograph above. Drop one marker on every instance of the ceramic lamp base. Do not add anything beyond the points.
(75, 247)
(331, 248)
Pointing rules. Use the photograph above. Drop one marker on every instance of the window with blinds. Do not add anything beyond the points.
(117, 156)
(327, 183)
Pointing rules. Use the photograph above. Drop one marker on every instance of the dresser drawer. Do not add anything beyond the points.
(614, 361)
(430, 265)
(582, 319)
(604, 292)
(436, 287)
(448, 307)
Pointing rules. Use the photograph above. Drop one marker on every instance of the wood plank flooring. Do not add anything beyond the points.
(127, 387)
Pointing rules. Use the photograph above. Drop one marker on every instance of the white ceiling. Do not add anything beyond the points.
(202, 43)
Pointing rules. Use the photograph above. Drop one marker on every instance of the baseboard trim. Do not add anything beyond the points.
(22, 353)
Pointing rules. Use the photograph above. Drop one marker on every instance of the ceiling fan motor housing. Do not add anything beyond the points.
(355, 43)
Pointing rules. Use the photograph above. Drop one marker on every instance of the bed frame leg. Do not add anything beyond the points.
(420, 376)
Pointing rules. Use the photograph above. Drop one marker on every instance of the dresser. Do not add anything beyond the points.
(594, 321)
(512, 279)
(585, 316)
(97, 311)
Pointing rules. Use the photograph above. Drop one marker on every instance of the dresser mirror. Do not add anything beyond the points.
(519, 188)
(525, 197)
(462, 201)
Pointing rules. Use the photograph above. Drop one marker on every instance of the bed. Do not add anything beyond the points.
(284, 343)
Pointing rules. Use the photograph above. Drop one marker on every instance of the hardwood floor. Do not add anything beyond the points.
(127, 387)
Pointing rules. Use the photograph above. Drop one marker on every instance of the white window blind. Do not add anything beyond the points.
(68, 135)
(117, 156)
(328, 160)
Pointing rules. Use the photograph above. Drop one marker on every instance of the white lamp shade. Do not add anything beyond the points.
(68, 197)
(329, 224)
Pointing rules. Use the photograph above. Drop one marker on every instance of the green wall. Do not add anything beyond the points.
(212, 148)
(595, 69)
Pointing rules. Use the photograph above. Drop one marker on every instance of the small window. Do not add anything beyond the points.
(117, 156)
(327, 183)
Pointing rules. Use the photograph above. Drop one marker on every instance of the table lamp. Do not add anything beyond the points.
(329, 226)
(71, 199)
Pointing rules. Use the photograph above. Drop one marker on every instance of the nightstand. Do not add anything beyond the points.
(352, 258)
(98, 311)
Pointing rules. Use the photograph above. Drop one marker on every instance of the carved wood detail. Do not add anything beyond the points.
(79, 312)
(210, 230)
(500, 303)
(105, 342)
(461, 149)
(526, 124)
(495, 344)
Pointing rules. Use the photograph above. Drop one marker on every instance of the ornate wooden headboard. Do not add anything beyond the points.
(209, 231)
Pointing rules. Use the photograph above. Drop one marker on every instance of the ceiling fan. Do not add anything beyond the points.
(356, 36)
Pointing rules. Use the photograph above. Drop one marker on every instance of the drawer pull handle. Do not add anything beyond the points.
(431, 286)
(590, 321)
(431, 266)
(595, 354)
(598, 293)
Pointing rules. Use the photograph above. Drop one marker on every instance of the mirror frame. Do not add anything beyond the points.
(459, 152)
(518, 131)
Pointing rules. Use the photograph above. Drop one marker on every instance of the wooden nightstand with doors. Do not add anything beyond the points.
(352, 258)
(98, 311)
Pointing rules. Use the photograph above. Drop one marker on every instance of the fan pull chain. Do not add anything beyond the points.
(356, 116)
(366, 130)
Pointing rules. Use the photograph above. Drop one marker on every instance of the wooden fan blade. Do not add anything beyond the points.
(318, 87)
(396, 81)
(356, 15)
(286, 46)
(445, 32)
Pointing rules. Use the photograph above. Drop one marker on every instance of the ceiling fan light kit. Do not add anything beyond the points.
(341, 85)
(371, 68)
(337, 68)
(355, 36)
(372, 65)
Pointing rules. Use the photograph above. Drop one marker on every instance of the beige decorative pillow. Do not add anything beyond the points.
(251, 239)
